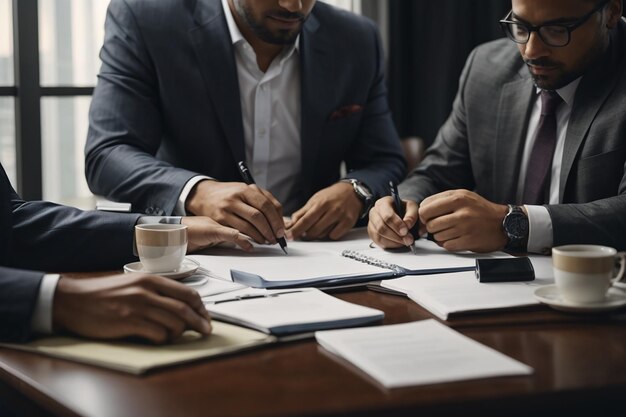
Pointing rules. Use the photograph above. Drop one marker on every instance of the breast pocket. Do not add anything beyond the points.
(599, 176)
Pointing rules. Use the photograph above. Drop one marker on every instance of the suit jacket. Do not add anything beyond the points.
(167, 108)
(480, 145)
(46, 236)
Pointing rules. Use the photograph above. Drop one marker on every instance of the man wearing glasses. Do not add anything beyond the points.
(533, 154)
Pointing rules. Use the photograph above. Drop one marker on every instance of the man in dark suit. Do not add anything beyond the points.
(49, 237)
(189, 88)
(534, 152)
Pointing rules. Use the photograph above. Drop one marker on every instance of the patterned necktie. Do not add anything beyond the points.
(539, 166)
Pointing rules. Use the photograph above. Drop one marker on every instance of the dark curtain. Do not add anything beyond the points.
(429, 41)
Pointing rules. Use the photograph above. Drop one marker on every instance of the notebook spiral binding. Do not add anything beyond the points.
(357, 256)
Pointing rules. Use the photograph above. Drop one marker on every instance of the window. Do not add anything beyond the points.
(6, 44)
(7, 114)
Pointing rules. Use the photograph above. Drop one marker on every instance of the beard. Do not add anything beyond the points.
(263, 32)
(559, 75)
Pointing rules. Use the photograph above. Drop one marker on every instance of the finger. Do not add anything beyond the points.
(239, 222)
(267, 219)
(446, 235)
(385, 243)
(192, 317)
(378, 228)
(304, 223)
(456, 245)
(436, 208)
(228, 234)
(411, 215)
(163, 318)
(340, 229)
(275, 202)
(179, 293)
(144, 329)
(320, 229)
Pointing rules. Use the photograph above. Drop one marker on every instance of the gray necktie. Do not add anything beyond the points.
(538, 173)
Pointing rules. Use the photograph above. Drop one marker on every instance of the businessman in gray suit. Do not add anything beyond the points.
(534, 152)
(189, 88)
(44, 236)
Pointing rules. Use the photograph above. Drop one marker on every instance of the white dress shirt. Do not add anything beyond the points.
(270, 107)
(540, 234)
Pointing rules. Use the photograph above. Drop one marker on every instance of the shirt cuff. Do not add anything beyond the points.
(41, 321)
(540, 229)
(179, 210)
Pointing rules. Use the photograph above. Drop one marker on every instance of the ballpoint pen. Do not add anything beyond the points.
(252, 297)
(399, 208)
(247, 178)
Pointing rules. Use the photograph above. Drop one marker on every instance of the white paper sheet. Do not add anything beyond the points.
(418, 353)
(309, 260)
(286, 311)
(459, 292)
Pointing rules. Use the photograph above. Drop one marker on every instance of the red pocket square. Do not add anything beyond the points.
(346, 111)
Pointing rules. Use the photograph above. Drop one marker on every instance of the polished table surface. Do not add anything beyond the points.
(579, 362)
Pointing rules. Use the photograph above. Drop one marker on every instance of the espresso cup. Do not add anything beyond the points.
(161, 247)
(584, 273)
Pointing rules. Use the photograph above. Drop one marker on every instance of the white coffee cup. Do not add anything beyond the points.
(161, 247)
(584, 273)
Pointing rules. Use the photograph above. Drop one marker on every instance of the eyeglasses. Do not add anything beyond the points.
(552, 34)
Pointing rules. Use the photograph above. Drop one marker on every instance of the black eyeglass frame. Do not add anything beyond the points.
(505, 25)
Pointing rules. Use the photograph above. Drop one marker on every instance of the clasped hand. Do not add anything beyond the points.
(255, 212)
(457, 219)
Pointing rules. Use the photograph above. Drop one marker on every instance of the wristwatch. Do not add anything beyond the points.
(515, 226)
(364, 194)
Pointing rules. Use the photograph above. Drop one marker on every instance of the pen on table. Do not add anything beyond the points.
(399, 208)
(247, 178)
(251, 297)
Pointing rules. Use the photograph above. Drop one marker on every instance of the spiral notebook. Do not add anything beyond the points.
(329, 264)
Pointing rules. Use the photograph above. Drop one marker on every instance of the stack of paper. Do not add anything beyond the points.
(445, 295)
(289, 312)
(418, 353)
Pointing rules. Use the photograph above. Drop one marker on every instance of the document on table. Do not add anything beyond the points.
(289, 312)
(445, 295)
(137, 358)
(327, 263)
(418, 353)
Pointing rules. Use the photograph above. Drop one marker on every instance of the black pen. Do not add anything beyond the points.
(247, 178)
(399, 208)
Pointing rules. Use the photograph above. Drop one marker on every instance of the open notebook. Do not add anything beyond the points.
(331, 263)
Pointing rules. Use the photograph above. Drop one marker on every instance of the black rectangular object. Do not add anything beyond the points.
(504, 270)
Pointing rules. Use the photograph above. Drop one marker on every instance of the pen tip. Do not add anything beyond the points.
(285, 250)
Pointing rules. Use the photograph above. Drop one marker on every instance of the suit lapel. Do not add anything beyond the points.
(317, 94)
(511, 128)
(214, 51)
(592, 92)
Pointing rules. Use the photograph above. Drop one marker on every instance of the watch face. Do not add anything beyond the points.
(517, 225)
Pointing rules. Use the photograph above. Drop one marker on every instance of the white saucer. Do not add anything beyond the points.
(187, 269)
(549, 294)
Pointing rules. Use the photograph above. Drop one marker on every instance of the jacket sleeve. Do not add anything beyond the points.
(126, 125)
(18, 293)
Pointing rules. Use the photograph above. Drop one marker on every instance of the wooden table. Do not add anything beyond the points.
(579, 362)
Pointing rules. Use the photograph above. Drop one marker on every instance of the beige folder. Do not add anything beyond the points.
(137, 358)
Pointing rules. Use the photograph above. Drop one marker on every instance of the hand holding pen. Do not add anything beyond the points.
(247, 178)
(400, 211)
